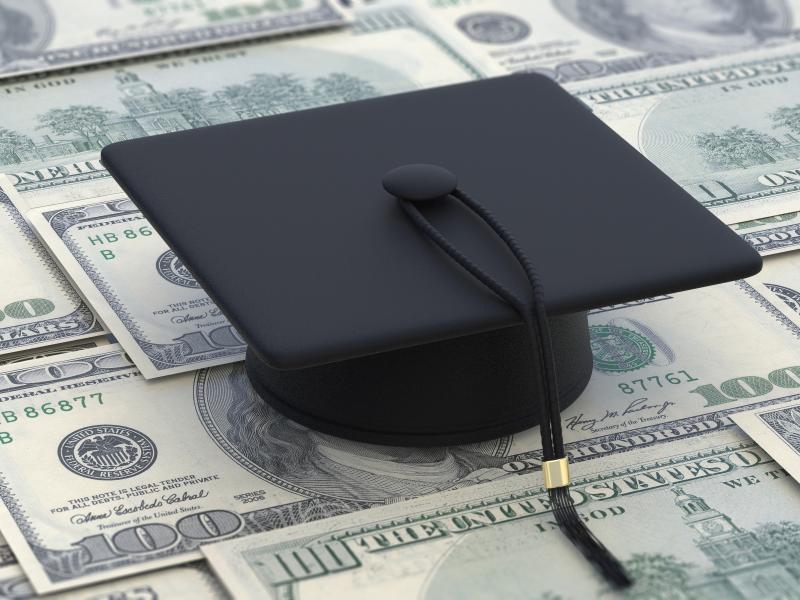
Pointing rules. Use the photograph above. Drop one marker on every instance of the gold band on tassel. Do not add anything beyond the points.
(556, 473)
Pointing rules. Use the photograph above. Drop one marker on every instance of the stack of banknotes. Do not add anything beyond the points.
(685, 446)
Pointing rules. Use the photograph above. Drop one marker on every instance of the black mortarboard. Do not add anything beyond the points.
(358, 324)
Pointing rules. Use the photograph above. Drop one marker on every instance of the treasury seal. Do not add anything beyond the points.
(171, 268)
(107, 452)
(493, 28)
(618, 349)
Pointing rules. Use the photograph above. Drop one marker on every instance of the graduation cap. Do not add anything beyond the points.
(417, 269)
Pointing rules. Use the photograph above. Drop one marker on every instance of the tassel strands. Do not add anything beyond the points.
(593, 550)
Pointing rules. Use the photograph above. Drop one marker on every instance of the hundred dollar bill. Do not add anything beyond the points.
(714, 521)
(725, 129)
(777, 430)
(66, 119)
(41, 307)
(771, 235)
(571, 40)
(177, 583)
(388, 51)
(106, 474)
(37, 35)
(141, 290)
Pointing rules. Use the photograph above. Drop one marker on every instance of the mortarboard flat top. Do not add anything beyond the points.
(286, 224)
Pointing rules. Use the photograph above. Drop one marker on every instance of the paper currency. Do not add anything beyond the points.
(689, 121)
(106, 474)
(777, 430)
(37, 35)
(129, 476)
(689, 525)
(160, 315)
(771, 235)
(156, 315)
(571, 40)
(68, 118)
(177, 583)
(41, 307)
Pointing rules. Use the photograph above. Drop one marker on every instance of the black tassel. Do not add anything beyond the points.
(534, 314)
(584, 540)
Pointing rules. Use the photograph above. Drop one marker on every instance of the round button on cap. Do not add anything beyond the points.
(419, 182)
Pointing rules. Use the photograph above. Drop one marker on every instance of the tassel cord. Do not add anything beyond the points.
(534, 315)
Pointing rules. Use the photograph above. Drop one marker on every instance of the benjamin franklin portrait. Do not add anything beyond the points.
(287, 454)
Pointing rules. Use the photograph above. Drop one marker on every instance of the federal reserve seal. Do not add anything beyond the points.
(171, 268)
(107, 452)
(493, 28)
(618, 349)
